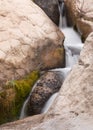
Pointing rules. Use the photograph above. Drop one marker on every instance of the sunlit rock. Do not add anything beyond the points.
(81, 14)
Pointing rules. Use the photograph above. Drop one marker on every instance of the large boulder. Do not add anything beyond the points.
(50, 7)
(29, 41)
(73, 108)
(81, 14)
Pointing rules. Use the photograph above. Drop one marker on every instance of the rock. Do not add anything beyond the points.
(29, 41)
(48, 84)
(81, 15)
(26, 123)
(73, 107)
(76, 94)
(50, 7)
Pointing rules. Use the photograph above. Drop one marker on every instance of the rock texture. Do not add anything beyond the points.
(73, 108)
(75, 99)
(76, 94)
(48, 84)
(29, 41)
(81, 14)
(50, 7)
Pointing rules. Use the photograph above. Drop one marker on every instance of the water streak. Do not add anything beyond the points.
(23, 113)
(48, 103)
(72, 45)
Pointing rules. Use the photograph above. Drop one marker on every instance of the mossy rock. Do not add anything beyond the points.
(13, 96)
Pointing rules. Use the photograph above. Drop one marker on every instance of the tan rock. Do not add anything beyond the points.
(28, 40)
(25, 124)
(81, 14)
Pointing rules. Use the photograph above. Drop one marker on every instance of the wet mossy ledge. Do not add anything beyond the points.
(13, 96)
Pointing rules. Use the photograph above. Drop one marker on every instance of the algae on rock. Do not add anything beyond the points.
(13, 96)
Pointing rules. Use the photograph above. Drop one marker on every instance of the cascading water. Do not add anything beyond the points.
(73, 46)
(23, 113)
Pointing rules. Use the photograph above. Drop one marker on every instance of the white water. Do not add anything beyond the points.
(48, 103)
(23, 113)
(73, 46)
(24, 108)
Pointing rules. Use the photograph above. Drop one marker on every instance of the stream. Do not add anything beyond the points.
(73, 46)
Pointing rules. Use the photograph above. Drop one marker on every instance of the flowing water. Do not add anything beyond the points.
(73, 46)
(48, 103)
(23, 113)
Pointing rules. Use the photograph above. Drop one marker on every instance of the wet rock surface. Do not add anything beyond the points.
(47, 85)
(50, 7)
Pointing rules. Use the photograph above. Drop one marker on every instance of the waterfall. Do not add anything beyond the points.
(73, 46)
(62, 19)
(23, 113)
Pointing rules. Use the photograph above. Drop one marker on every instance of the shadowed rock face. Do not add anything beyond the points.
(81, 15)
(50, 7)
(47, 85)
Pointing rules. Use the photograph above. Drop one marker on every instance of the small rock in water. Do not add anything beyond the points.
(48, 84)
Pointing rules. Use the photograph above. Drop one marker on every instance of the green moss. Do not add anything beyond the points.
(12, 98)
(60, 50)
